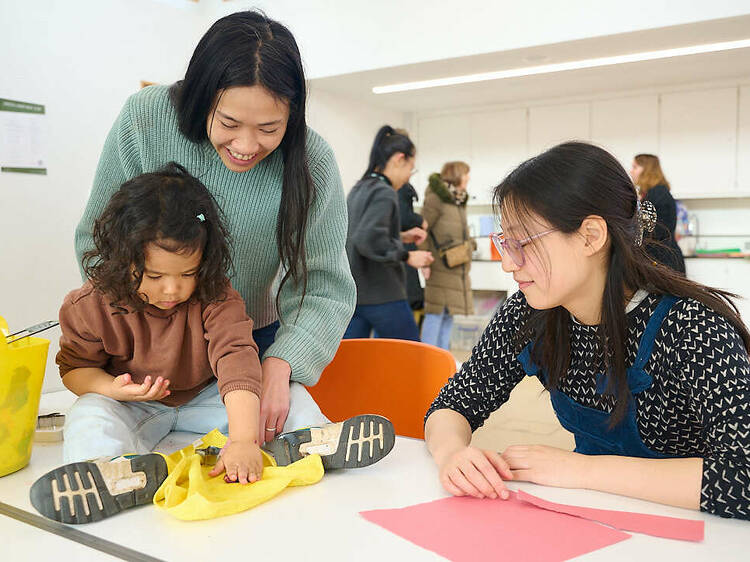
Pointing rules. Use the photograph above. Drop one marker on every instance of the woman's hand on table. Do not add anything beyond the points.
(546, 465)
(475, 472)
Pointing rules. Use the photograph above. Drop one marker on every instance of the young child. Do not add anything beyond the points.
(157, 341)
(647, 369)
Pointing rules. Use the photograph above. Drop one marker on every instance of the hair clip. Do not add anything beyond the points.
(200, 217)
(646, 216)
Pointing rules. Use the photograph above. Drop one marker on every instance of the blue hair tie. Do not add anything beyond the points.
(200, 217)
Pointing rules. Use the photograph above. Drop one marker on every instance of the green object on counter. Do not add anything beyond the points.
(720, 251)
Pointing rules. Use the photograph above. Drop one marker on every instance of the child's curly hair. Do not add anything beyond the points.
(169, 208)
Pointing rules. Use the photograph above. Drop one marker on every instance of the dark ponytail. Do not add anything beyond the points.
(388, 141)
(248, 49)
(564, 185)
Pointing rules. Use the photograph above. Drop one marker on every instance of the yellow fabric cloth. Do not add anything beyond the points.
(190, 494)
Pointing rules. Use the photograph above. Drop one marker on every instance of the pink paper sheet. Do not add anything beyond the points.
(468, 529)
(656, 525)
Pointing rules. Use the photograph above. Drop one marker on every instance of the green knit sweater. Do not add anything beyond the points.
(145, 137)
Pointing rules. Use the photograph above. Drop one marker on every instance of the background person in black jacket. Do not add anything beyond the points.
(407, 195)
(653, 186)
(375, 243)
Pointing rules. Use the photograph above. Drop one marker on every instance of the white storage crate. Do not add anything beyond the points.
(467, 330)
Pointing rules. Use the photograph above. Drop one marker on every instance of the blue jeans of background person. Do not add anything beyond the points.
(98, 426)
(388, 320)
(436, 329)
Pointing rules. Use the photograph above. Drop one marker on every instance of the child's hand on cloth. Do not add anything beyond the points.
(124, 389)
(242, 461)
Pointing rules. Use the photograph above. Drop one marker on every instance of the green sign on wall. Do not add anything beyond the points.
(22, 137)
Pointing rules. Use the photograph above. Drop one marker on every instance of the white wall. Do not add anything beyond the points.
(337, 36)
(81, 60)
(349, 126)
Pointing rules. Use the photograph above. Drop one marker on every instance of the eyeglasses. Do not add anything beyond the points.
(508, 247)
(414, 171)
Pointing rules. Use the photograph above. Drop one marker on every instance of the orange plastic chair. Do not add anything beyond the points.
(397, 379)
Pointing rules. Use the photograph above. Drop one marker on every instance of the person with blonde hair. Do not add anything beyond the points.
(653, 186)
(447, 283)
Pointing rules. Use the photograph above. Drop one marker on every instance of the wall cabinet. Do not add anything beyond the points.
(498, 145)
(491, 142)
(440, 139)
(699, 141)
(732, 275)
(701, 136)
(626, 126)
(551, 125)
(743, 141)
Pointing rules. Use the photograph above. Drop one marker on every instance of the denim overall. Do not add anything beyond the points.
(590, 426)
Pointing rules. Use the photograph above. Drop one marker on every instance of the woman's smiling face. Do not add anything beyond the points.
(247, 124)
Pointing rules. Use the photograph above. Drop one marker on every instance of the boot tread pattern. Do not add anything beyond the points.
(364, 440)
(78, 492)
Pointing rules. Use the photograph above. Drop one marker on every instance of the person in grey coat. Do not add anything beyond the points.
(375, 243)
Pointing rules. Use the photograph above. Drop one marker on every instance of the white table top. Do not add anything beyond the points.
(321, 522)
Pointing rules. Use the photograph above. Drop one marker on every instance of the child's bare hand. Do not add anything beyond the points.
(242, 462)
(124, 389)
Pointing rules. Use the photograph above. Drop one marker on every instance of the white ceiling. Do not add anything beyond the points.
(631, 76)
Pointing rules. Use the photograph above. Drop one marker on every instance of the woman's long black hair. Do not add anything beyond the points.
(563, 186)
(248, 49)
(388, 141)
(169, 208)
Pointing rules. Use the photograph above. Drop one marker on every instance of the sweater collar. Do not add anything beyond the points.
(380, 176)
(155, 311)
(152, 310)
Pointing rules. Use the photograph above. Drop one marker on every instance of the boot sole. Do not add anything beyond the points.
(79, 492)
(355, 443)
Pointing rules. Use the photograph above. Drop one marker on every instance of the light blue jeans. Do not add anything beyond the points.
(436, 329)
(98, 426)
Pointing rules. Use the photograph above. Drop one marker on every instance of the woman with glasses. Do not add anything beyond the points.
(648, 370)
(447, 289)
(375, 243)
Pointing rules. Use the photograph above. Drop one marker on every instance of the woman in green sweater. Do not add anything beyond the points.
(237, 122)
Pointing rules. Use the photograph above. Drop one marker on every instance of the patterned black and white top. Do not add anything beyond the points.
(698, 404)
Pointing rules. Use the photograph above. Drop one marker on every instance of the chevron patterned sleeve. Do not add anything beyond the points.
(486, 380)
(716, 370)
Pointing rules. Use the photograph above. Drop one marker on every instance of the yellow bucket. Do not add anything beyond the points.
(22, 366)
